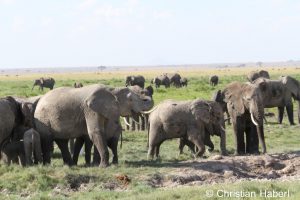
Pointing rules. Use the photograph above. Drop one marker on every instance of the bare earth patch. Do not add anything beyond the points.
(218, 169)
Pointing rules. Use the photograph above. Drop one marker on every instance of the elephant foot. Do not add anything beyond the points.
(103, 165)
(292, 124)
(224, 153)
(115, 161)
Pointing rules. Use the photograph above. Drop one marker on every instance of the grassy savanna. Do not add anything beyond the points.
(58, 181)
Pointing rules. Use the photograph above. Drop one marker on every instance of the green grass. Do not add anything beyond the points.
(58, 182)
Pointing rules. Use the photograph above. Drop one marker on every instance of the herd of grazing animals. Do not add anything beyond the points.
(90, 116)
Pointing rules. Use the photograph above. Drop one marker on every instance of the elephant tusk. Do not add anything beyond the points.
(253, 120)
(126, 122)
(223, 129)
(138, 123)
(149, 111)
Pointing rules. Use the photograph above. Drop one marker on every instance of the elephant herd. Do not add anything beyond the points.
(91, 115)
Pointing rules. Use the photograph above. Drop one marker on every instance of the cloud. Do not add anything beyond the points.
(6, 2)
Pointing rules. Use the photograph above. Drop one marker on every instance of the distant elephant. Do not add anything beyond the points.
(174, 79)
(161, 80)
(13, 152)
(184, 119)
(245, 105)
(252, 76)
(78, 85)
(279, 93)
(214, 80)
(184, 82)
(135, 80)
(66, 113)
(12, 114)
(32, 147)
(44, 82)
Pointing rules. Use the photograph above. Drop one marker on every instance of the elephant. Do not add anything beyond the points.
(174, 79)
(13, 152)
(161, 80)
(135, 80)
(66, 113)
(78, 85)
(44, 82)
(184, 82)
(279, 93)
(245, 105)
(12, 114)
(214, 80)
(32, 146)
(216, 97)
(252, 76)
(184, 119)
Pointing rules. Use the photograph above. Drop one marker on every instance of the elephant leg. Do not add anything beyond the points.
(37, 151)
(113, 145)
(88, 144)
(280, 114)
(28, 152)
(251, 139)
(181, 145)
(22, 159)
(290, 114)
(132, 125)
(47, 147)
(196, 136)
(138, 125)
(96, 157)
(71, 142)
(63, 146)
(143, 123)
(208, 142)
(127, 127)
(238, 129)
(77, 147)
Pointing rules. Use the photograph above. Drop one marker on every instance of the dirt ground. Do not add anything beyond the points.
(219, 169)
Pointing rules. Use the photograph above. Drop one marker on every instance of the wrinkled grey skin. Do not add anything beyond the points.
(145, 102)
(279, 93)
(135, 80)
(183, 82)
(66, 113)
(252, 76)
(243, 100)
(13, 152)
(78, 85)
(32, 147)
(184, 119)
(161, 80)
(148, 91)
(174, 79)
(44, 82)
(214, 80)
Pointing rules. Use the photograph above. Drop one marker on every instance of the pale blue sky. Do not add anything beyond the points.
(40, 33)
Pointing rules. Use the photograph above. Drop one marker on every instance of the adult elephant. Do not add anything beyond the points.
(252, 76)
(174, 79)
(184, 119)
(214, 80)
(161, 80)
(135, 80)
(66, 113)
(44, 82)
(245, 105)
(279, 93)
(78, 85)
(12, 114)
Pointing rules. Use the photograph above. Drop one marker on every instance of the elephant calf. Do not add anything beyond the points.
(184, 119)
(13, 152)
(32, 147)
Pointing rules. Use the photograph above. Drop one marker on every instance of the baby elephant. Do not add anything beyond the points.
(185, 119)
(32, 147)
(13, 152)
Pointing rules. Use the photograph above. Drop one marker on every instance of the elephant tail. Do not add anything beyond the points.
(148, 134)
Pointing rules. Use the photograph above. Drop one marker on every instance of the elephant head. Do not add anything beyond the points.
(211, 114)
(128, 80)
(36, 82)
(242, 98)
(293, 85)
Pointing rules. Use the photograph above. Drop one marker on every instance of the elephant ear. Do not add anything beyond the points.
(27, 111)
(150, 90)
(201, 111)
(99, 101)
(293, 85)
(233, 96)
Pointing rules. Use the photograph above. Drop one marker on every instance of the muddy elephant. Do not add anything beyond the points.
(44, 83)
(66, 113)
(214, 80)
(13, 152)
(279, 93)
(184, 119)
(161, 80)
(252, 76)
(78, 85)
(174, 79)
(135, 80)
(245, 105)
(184, 82)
